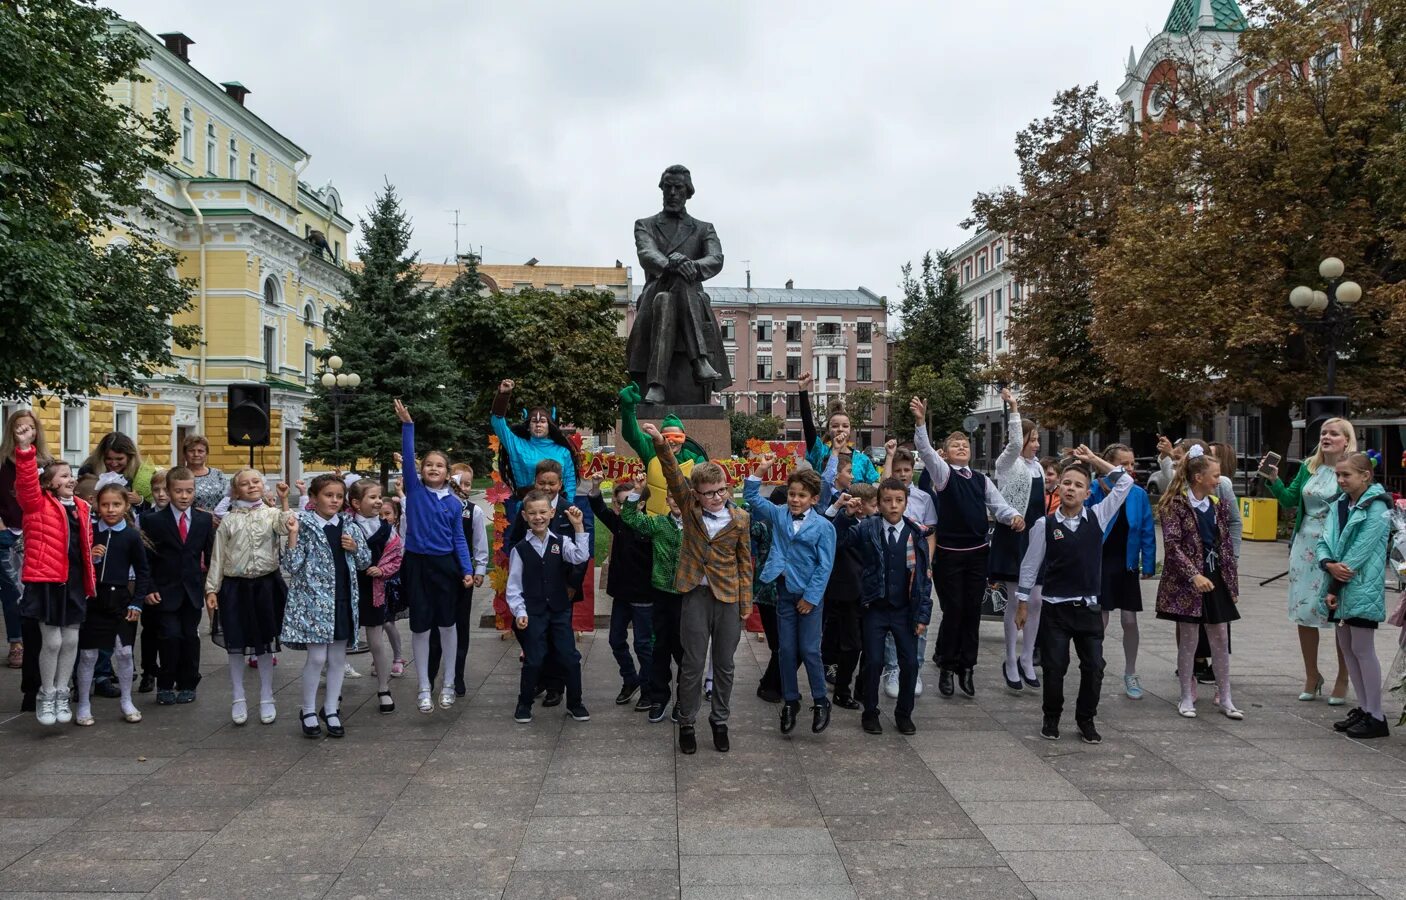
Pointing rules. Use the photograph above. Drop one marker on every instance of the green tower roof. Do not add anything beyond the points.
(1185, 16)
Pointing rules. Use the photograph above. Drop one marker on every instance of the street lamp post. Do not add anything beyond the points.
(339, 387)
(1335, 304)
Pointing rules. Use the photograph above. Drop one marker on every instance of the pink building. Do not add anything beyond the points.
(772, 335)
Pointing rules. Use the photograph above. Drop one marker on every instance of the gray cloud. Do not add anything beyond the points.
(829, 142)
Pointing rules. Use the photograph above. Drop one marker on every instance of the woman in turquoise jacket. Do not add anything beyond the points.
(525, 447)
(819, 453)
(1352, 552)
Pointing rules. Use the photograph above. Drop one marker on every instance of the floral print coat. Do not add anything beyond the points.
(1184, 558)
(311, 614)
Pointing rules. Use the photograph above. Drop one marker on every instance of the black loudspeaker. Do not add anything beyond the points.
(247, 415)
(1316, 411)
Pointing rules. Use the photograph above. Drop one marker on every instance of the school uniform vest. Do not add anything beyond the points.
(895, 565)
(961, 512)
(543, 577)
(1073, 559)
(342, 621)
(1210, 535)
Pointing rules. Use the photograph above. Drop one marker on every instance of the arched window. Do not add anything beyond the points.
(187, 135)
(271, 291)
(309, 315)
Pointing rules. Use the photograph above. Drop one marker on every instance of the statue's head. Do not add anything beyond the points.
(677, 186)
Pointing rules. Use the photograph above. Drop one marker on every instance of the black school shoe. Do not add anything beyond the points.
(627, 691)
(315, 729)
(1087, 732)
(657, 712)
(147, 684)
(905, 725)
(578, 712)
(553, 698)
(1352, 716)
(788, 715)
(1050, 730)
(720, 741)
(688, 741)
(1017, 684)
(871, 725)
(966, 683)
(334, 723)
(460, 689)
(1368, 727)
(821, 719)
(846, 701)
(945, 687)
(643, 704)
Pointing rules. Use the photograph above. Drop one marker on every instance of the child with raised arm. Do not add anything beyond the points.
(631, 597)
(1021, 480)
(802, 555)
(965, 499)
(822, 454)
(1064, 562)
(664, 535)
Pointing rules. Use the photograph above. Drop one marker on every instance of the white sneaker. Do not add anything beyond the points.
(351, 672)
(918, 687)
(63, 714)
(44, 708)
(891, 683)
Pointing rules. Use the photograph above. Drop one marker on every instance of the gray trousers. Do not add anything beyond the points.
(704, 617)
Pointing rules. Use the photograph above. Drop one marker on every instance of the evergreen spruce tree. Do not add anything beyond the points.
(386, 333)
(937, 358)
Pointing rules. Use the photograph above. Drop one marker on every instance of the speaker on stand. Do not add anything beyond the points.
(247, 417)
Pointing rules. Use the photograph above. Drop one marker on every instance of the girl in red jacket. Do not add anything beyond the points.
(58, 570)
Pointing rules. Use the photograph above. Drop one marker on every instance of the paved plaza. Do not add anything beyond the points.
(467, 804)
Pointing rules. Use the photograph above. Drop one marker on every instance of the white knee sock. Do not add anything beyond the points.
(49, 657)
(336, 671)
(265, 678)
(1032, 628)
(312, 672)
(124, 667)
(420, 646)
(236, 676)
(448, 646)
(87, 663)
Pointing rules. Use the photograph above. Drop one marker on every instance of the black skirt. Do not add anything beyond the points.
(106, 621)
(1122, 589)
(55, 604)
(1216, 606)
(430, 586)
(251, 614)
(1007, 551)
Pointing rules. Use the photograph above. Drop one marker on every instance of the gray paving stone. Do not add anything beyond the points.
(606, 856)
(593, 885)
(1227, 848)
(867, 859)
(1323, 812)
(995, 883)
(1174, 812)
(1239, 880)
(552, 829)
(1345, 835)
(771, 892)
(921, 826)
(416, 877)
(40, 872)
(1126, 866)
(702, 840)
(594, 804)
(193, 883)
(1060, 837)
(755, 870)
(1066, 812)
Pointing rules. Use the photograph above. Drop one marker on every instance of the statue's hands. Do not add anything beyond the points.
(688, 269)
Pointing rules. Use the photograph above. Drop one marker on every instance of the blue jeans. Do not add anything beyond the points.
(891, 655)
(9, 587)
(623, 614)
(799, 635)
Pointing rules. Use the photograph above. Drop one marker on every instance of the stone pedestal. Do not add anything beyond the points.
(705, 423)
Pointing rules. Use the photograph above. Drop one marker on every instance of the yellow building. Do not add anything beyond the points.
(267, 253)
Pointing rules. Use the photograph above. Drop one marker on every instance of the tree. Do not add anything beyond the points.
(1222, 222)
(561, 349)
(936, 359)
(746, 426)
(72, 170)
(859, 406)
(1074, 165)
(386, 333)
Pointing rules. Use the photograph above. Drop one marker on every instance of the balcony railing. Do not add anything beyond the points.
(830, 342)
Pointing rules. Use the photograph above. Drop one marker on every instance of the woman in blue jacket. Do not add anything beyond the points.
(526, 445)
(1129, 547)
(821, 453)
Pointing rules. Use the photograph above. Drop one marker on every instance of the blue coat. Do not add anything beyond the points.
(1142, 529)
(1361, 545)
(860, 465)
(311, 614)
(869, 535)
(525, 453)
(805, 557)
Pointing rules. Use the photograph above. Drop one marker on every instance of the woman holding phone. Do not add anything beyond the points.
(1312, 493)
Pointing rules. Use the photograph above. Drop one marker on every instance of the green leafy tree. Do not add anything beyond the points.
(936, 359)
(72, 170)
(386, 333)
(562, 350)
(859, 405)
(746, 426)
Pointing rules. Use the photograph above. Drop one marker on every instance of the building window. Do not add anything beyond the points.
(998, 251)
(1261, 97)
(981, 264)
(832, 367)
(253, 167)
(981, 345)
(763, 329)
(864, 369)
(793, 367)
(981, 307)
(828, 329)
(271, 349)
(308, 315)
(211, 149)
(271, 291)
(966, 272)
(763, 368)
(309, 362)
(187, 135)
(793, 330)
(336, 251)
(75, 433)
(793, 406)
(864, 332)
(233, 158)
(998, 299)
(1015, 292)
(125, 422)
(731, 363)
(1000, 344)
(866, 438)
(729, 330)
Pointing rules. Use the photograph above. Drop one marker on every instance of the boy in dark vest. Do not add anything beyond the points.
(1065, 562)
(896, 596)
(539, 574)
(964, 500)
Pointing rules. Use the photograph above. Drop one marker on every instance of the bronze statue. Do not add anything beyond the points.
(675, 347)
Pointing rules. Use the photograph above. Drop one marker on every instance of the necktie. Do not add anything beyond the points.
(964, 472)
(182, 527)
(798, 516)
(893, 535)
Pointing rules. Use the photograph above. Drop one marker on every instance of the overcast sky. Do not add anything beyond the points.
(829, 142)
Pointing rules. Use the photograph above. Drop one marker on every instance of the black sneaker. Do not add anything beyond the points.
(553, 698)
(643, 704)
(165, 698)
(1050, 730)
(871, 724)
(688, 741)
(657, 712)
(1088, 732)
(523, 714)
(831, 671)
(147, 684)
(627, 692)
(1352, 716)
(905, 725)
(720, 741)
(579, 712)
(1204, 675)
(1368, 727)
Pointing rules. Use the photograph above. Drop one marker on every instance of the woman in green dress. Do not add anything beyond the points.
(1311, 494)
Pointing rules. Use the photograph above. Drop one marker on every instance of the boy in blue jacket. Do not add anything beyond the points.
(802, 554)
(896, 597)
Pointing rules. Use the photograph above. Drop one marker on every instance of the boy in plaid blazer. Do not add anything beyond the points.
(714, 578)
